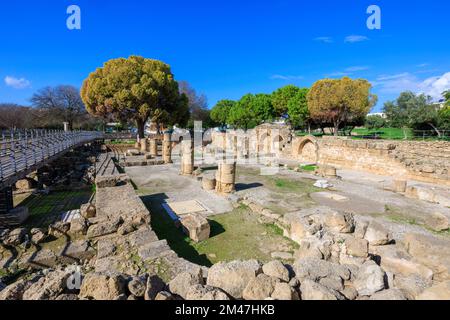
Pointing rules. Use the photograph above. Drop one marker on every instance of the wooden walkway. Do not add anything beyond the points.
(22, 152)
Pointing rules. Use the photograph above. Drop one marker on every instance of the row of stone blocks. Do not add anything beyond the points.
(151, 146)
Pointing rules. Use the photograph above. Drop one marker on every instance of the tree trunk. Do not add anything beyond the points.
(141, 127)
(336, 129)
(435, 129)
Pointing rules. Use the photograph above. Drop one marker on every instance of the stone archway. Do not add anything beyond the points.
(308, 150)
(277, 144)
(263, 143)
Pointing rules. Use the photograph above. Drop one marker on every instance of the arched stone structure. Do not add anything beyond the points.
(307, 150)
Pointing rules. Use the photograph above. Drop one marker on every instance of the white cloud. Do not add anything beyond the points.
(355, 38)
(285, 77)
(324, 39)
(17, 83)
(348, 71)
(357, 68)
(422, 65)
(397, 83)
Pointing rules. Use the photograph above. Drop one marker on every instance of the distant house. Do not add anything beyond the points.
(439, 104)
(379, 114)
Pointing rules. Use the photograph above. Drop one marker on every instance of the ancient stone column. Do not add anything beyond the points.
(208, 183)
(167, 149)
(144, 145)
(187, 157)
(153, 148)
(226, 178)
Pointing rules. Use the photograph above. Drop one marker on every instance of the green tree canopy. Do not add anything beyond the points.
(340, 101)
(375, 122)
(414, 111)
(281, 98)
(219, 113)
(251, 110)
(135, 88)
(242, 115)
(262, 107)
(297, 111)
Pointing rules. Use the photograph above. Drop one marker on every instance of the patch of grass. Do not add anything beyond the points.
(385, 133)
(308, 168)
(293, 186)
(234, 235)
(129, 142)
(274, 229)
(45, 208)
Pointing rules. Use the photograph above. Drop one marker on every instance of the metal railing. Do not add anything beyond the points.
(21, 150)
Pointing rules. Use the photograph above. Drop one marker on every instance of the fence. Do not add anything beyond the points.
(25, 149)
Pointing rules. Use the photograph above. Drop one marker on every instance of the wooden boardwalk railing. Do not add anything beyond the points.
(24, 151)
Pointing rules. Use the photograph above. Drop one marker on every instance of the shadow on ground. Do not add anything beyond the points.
(165, 228)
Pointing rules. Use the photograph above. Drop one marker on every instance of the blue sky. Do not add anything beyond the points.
(226, 49)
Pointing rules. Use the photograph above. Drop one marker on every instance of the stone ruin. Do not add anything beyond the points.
(341, 256)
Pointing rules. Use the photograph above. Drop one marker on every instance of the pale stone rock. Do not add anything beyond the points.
(369, 279)
(209, 183)
(233, 277)
(396, 260)
(126, 228)
(154, 286)
(196, 227)
(339, 222)
(48, 287)
(276, 269)
(14, 291)
(399, 186)
(88, 211)
(78, 226)
(201, 292)
(302, 228)
(15, 237)
(360, 229)
(377, 235)
(314, 291)
(333, 282)
(260, 288)
(316, 269)
(389, 294)
(164, 296)
(104, 228)
(437, 222)
(59, 229)
(349, 293)
(440, 291)
(37, 236)
(102, 287)
(294, 283)
(357, 247)
(412, 286)
(430, 251)
(181, 284)
(284, 291)
(322, 184)
(137, 287)
(24, 184)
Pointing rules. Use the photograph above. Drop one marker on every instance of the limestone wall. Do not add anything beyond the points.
(418, 160)
(426, 161)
